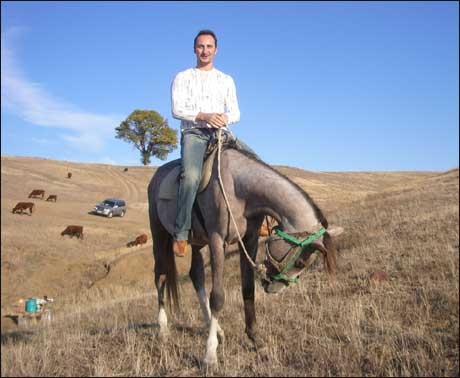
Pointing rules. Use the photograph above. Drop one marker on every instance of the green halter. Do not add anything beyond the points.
(301, 244)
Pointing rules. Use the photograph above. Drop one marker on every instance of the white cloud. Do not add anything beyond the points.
(90, 140)
(42, 141)
(31, 102)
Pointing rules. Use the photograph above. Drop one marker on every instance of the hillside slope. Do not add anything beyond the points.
(36, 260)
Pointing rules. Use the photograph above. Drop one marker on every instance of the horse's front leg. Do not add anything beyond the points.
(248, 288)
(217, 297)
(197, 276)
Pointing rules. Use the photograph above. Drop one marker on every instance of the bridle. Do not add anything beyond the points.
(293, 253)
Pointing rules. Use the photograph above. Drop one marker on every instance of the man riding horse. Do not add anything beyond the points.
(204, 100)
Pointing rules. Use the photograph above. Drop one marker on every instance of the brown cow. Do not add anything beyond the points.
(69, 175)
(52, 197)
(141, 239)
(21, 206)
(73, 231)
(37, 193)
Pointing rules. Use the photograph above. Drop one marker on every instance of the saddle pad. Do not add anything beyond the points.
(168, 187)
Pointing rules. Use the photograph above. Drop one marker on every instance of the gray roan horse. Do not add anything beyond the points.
(253, 189)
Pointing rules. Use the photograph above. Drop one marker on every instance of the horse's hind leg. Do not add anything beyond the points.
(160, 283)
(160, 247)
(198, 279)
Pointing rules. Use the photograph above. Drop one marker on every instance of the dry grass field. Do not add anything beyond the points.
(104, 315)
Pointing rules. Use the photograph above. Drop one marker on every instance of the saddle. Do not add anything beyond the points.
(169, 186)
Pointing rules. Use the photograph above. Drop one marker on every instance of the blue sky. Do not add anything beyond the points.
(322, 86)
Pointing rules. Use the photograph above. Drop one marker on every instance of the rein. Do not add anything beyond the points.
(259, 269)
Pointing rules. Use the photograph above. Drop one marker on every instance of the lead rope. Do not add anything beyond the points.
(260, 269)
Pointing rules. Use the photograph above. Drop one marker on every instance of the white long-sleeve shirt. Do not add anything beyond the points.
(194, 91)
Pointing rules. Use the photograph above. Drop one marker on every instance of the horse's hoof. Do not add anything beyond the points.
(221, 336)
(163, 335)
(262, 353)
(210, 363)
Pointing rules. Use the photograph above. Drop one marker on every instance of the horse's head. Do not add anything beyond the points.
(288, 255)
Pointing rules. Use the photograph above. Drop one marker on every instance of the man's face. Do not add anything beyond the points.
(205, 49)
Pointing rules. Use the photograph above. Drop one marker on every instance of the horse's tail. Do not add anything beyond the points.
(330, 255)
(166, 276)
(172, 291)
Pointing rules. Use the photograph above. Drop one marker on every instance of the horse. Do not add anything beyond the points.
(252, 189)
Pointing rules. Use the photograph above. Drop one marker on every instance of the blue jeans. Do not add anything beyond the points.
(194, 143)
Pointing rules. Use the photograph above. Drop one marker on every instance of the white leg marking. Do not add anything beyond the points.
(163, 322)
(204, 304)
(212, 343)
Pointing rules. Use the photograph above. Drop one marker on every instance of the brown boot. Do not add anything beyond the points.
(180, 247)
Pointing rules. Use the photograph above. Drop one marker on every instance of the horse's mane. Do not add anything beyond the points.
(252, 156)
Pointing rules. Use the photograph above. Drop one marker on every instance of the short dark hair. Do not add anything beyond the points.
(205, 32)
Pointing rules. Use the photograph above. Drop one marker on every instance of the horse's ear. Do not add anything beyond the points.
(335, 230)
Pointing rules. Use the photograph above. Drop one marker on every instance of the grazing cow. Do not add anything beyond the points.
(378, 277)
(37, 193)
(125, 170)
(21, 206)
(73, 231)
(141, 239)
(69, 175)
(52, 197)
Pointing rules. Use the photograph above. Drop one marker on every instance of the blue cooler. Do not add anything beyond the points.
(31, 305)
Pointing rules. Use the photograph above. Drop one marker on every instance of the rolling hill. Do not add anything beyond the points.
(382, 212)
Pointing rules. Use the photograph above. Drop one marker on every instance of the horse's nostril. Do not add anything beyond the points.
(299, 264)
(275, 287)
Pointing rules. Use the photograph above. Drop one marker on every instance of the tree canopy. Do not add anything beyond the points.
(150, 133)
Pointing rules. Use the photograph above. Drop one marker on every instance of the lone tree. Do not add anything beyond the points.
(149, 133)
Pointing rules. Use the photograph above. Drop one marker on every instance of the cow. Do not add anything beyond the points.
(52, 197)
(73, 231)
(69, 175)
(141, 239)
(21, 206)
(37, 193)
(125, 170)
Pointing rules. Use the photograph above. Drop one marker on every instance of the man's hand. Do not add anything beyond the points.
(216, 120)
